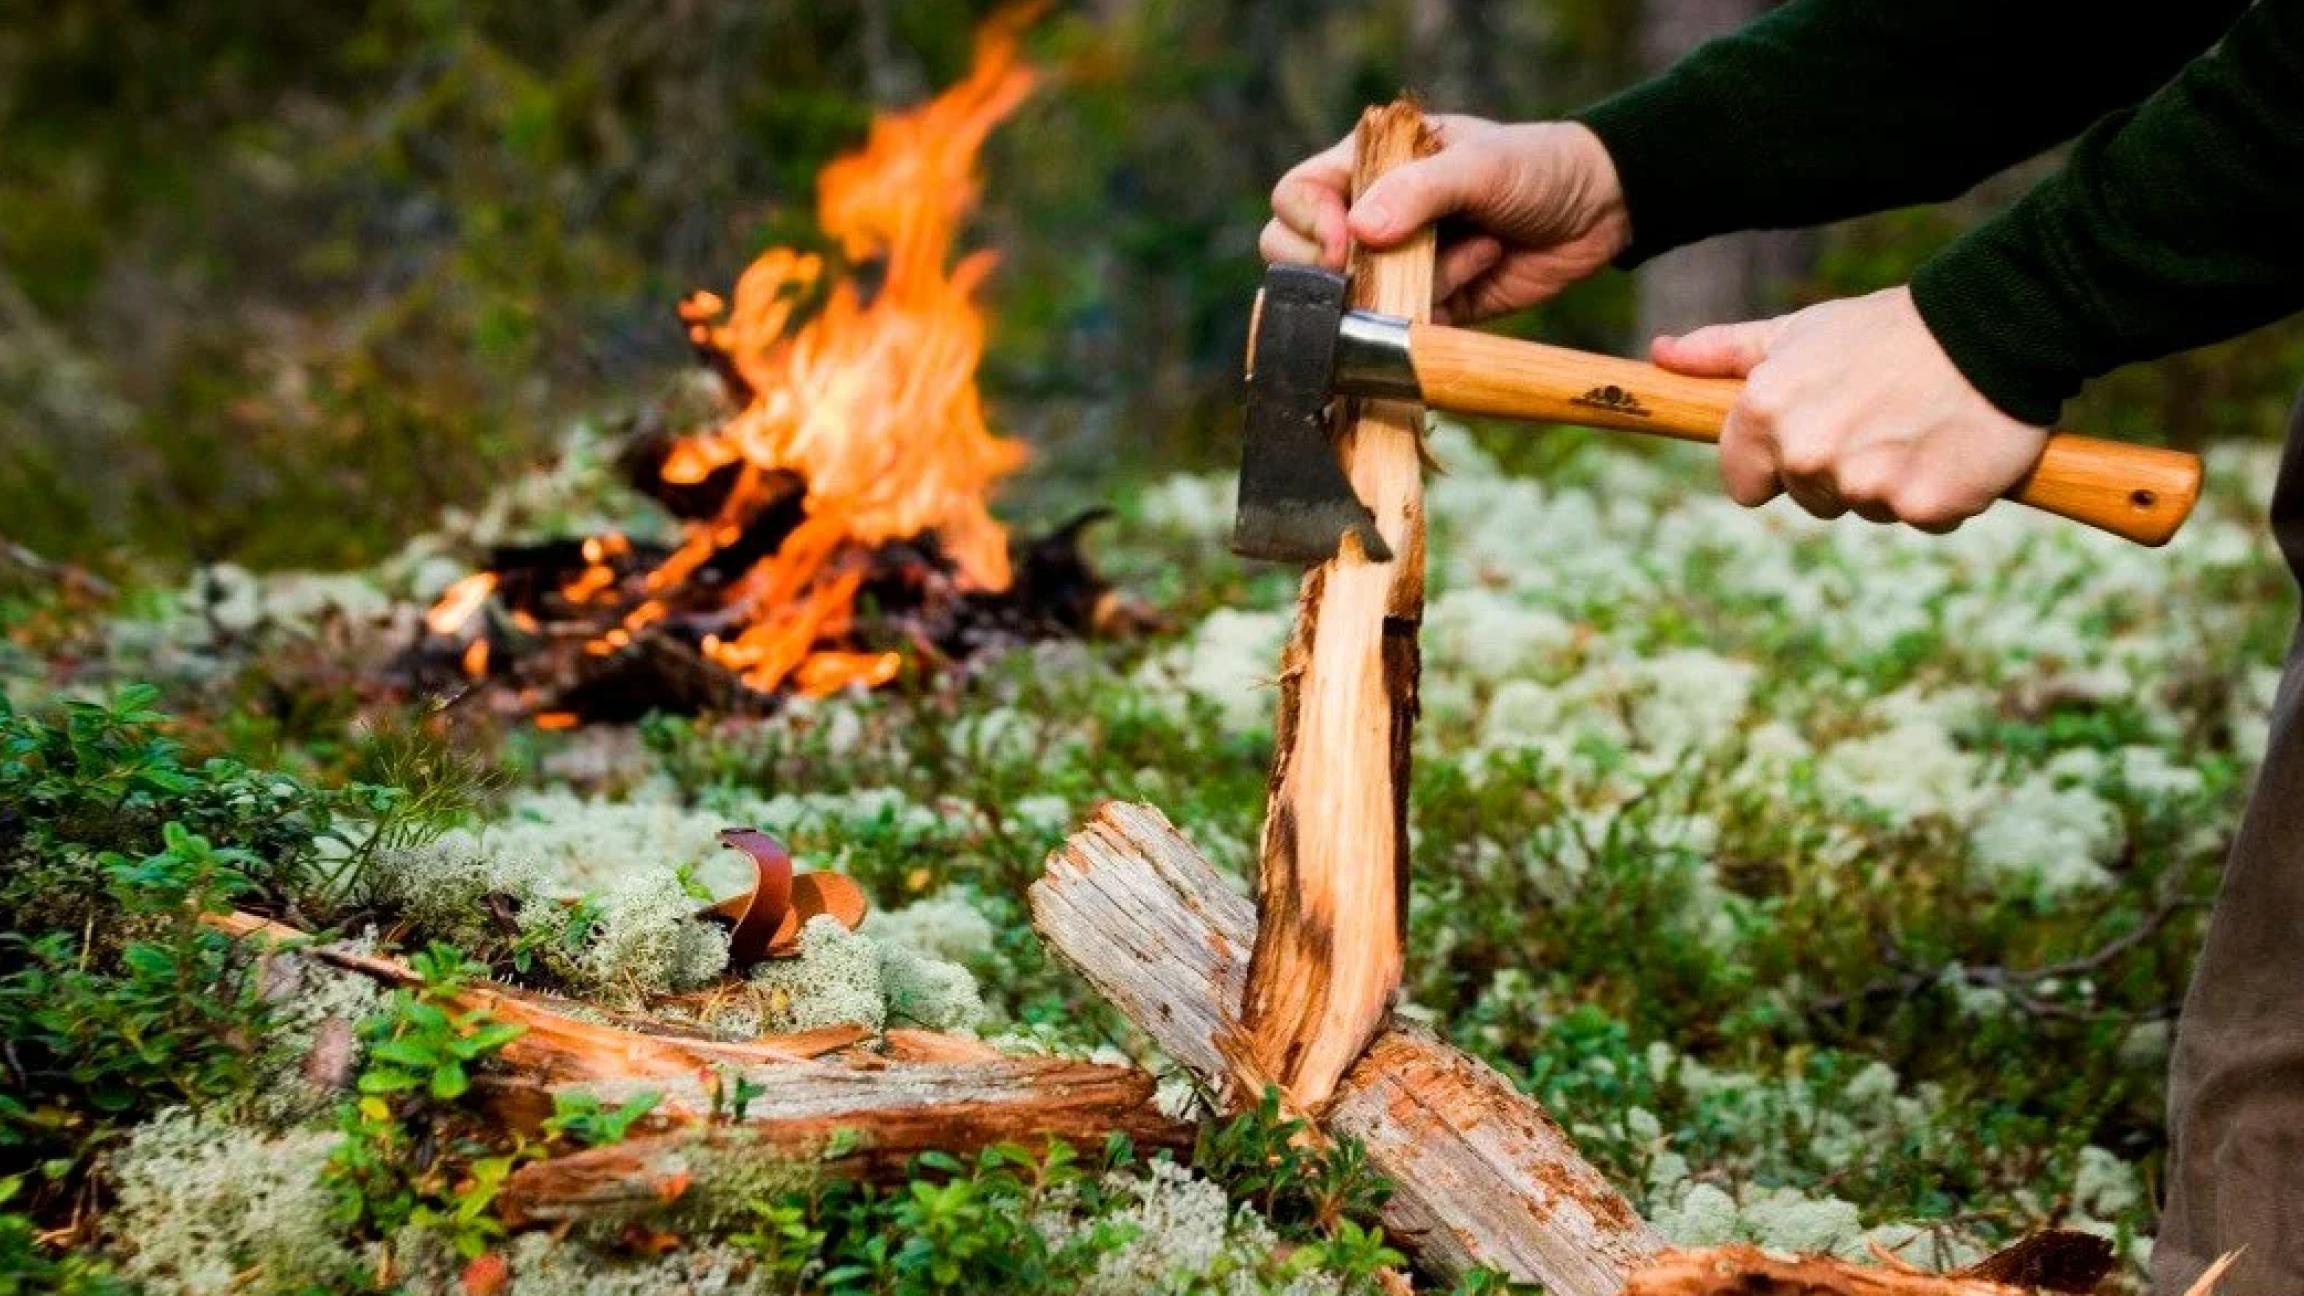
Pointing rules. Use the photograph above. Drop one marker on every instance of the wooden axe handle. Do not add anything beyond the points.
(2140, 492)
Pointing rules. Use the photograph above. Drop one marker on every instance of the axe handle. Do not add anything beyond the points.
(2142, 493)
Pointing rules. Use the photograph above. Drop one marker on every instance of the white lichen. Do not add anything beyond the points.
(206, 1207)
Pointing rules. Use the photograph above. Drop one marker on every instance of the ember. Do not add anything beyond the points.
(856, 467)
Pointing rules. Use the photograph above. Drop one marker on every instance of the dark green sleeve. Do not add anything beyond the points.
(2173, 225)
(1825, 109)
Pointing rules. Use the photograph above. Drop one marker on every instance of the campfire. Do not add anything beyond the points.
(836, 522)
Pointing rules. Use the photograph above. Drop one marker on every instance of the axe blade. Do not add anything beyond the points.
(1296, 505)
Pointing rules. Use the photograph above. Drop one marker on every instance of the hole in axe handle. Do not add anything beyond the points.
(2142, 498)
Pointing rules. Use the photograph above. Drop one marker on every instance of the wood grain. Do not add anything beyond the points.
(884, 1114)
(2142, 493)
(1482, 1175)
(1748, 1271)
(1334, 849)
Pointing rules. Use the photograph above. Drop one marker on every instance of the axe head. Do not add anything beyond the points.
(1295, 502)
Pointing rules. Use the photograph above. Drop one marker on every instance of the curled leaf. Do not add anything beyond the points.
(766, 918)
(759, 910)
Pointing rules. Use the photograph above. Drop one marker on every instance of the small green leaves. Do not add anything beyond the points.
(402, 1161)
(582, 1119)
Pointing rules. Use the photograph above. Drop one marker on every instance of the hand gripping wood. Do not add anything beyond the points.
(2142, 493)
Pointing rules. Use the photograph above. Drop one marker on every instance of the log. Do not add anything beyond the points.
(893, 1110)
(1482, 1175)
(1749, 1271)
(1334, 877)
(920, 1091)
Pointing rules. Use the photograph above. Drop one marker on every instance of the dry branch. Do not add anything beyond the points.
(1482, 1176)
(559, 1045)
(1335, 843)
(892, 1110)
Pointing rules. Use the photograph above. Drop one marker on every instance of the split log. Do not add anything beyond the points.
(2058, 1260)
(1482, 1176)
(893, 1111)
(1333, 887)
(1749, 1271)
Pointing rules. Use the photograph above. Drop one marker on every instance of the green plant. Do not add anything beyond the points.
(409, 1158)
(955, 1226)
(785, 1238)
(170, 1014)
(28, 1268)
(583, 1119)
(1308, 1189)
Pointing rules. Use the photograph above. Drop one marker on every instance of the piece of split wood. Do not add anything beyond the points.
(1334, 877)
(2205, 1284)
(1749, 1271)
(884, 1115)
(1481, 1175)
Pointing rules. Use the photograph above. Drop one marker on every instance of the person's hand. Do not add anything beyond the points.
(1539, 206)
(1852, 406)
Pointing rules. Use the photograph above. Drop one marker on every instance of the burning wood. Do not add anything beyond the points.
(838, 517)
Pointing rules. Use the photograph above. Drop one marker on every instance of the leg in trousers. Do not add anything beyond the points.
(2236, 1082)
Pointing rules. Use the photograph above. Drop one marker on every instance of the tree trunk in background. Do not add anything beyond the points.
(1736, 276)
(1451, 53)
(893, 79)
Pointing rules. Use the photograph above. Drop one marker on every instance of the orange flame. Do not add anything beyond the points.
(459, 603)
(872, 401)
(869, 402)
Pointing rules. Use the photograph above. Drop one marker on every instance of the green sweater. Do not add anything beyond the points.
(2178, 219)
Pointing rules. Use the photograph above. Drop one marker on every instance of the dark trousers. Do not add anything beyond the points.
(2236, 1085)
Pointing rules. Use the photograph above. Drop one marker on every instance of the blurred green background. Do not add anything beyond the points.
(279, 280)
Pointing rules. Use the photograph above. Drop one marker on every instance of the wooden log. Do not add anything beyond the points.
(1333, 886)
(1749, 1271)
(1482, 1176)
(893, 1110)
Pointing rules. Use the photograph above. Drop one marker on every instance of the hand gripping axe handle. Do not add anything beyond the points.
(1305, 348)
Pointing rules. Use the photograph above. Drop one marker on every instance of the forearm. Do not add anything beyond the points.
(2175, 225)
(1825, 109)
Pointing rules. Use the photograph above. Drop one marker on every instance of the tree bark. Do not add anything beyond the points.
(1333, 886)
(892, 1112)
(1732, 277)
(1749, 1271)
(1482, 1176)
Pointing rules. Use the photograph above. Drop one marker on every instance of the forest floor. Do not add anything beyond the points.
(1834, 886)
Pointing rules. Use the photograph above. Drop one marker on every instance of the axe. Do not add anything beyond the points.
(1305, 348)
